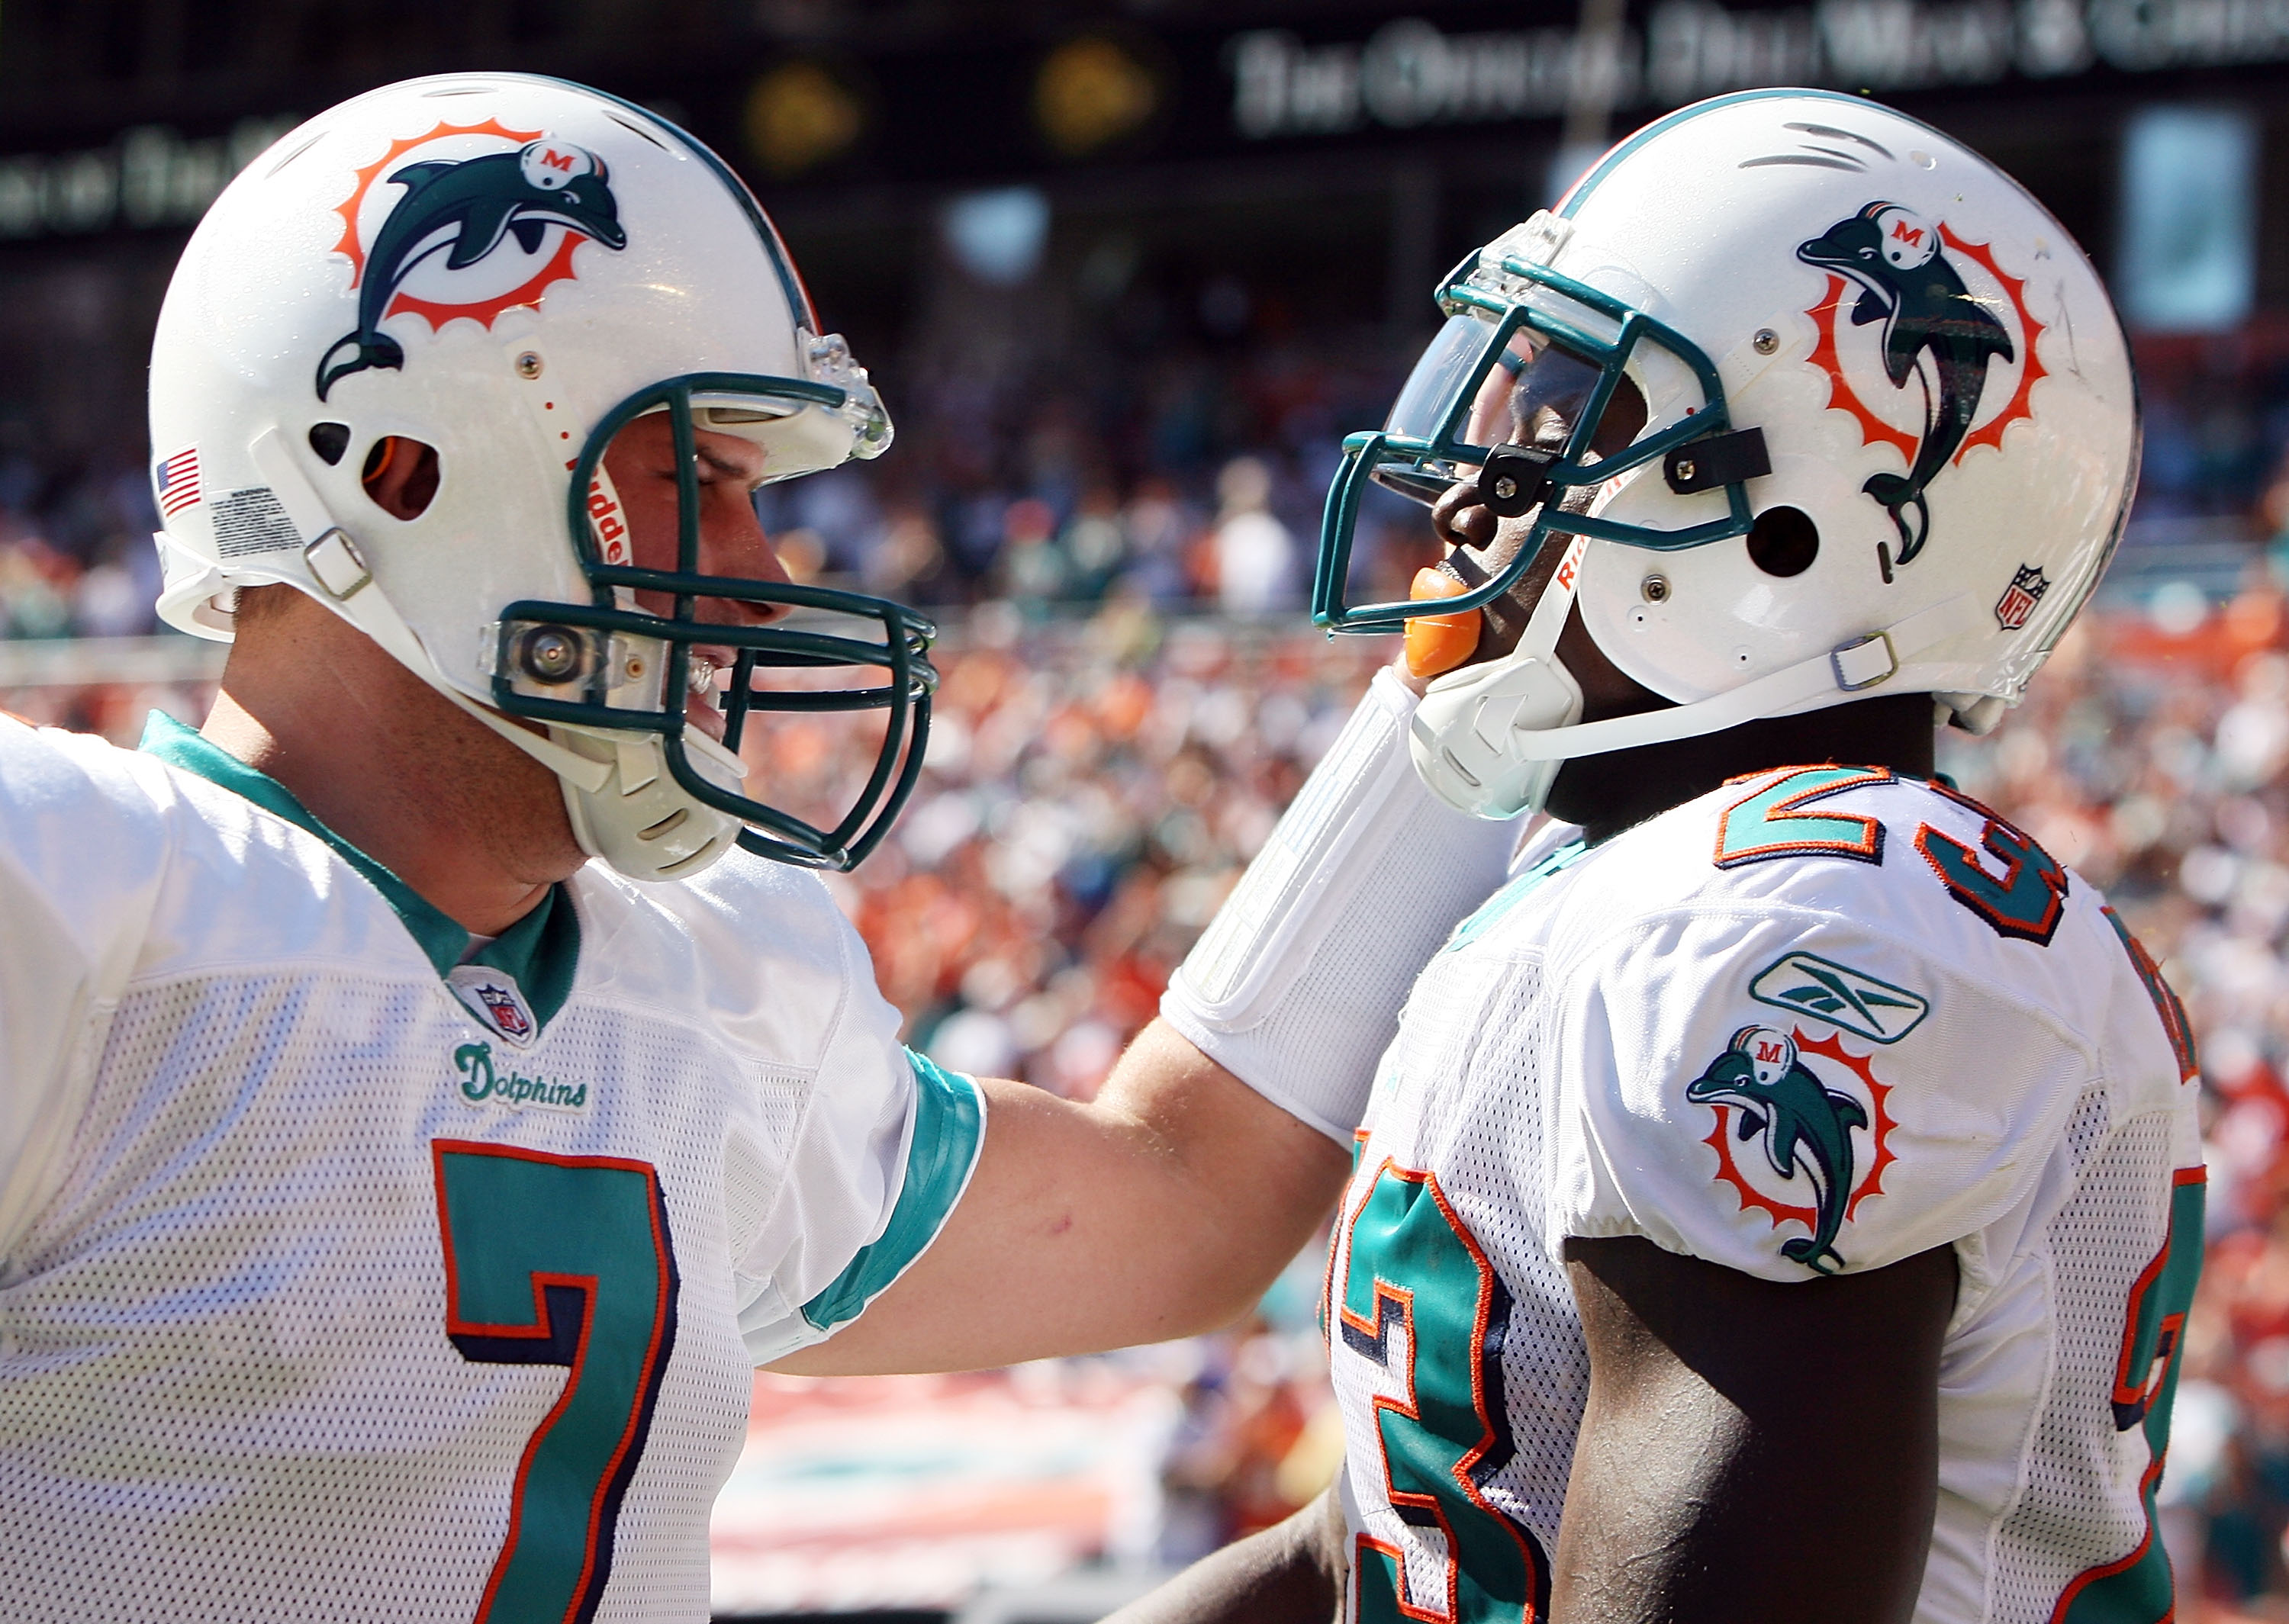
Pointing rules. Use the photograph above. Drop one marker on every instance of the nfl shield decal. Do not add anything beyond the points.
(497, 1001)
(2019, 598)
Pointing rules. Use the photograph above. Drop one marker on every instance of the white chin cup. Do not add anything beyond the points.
(1467, 734)
(640, 820)
(1464, 734)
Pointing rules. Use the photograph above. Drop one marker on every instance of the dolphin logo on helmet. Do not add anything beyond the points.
(469, 208)
(1907, 285)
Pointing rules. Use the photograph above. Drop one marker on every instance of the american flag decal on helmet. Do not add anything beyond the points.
(177, 479)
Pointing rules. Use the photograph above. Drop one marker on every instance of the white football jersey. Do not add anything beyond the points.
(1816, 1022)
(347, 1274)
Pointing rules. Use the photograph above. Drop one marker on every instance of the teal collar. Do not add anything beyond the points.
(541, 951)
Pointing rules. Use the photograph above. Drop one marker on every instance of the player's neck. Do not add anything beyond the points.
(474, 826)
(1607, 794)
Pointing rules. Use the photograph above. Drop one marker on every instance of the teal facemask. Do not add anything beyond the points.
(1523, 345)
(608, 664)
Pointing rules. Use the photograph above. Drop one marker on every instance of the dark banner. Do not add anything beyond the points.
(977, 110)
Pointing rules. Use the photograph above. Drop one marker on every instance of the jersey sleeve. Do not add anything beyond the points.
(1793, 1094)
(886, 1148)
(80, 857)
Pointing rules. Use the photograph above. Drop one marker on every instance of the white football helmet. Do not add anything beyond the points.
(1890, 436)
(509, 269)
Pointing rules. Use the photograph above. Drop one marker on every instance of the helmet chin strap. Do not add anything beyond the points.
(1489, 739)
(1864, 664)
(340, 572)
(624, 805)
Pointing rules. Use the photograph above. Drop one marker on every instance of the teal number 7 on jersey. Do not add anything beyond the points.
(560, 1260)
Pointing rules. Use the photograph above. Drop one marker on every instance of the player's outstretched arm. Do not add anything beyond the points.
(1752, 1450)
(1162, 1208)
(1290, 1574)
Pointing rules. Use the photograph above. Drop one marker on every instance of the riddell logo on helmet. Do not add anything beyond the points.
(606, 522)
(1943, 311)
(483, 219)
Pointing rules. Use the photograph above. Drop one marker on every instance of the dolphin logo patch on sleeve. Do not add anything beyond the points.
(1813, 1126)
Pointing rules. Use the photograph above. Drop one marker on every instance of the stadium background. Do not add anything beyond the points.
(1124, 274)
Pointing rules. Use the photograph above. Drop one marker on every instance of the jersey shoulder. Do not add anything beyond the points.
(1837, 1002)
(87, 838)
(210, 878)
(757, 950)
(1910, 862)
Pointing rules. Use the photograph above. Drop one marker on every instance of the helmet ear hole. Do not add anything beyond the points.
(401, 476)
(329, 440)
(1783, 541)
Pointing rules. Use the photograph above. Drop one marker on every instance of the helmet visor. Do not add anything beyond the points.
(1529, 379)
(1477, 387)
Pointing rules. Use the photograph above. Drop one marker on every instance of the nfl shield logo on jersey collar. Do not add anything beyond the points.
(493, 997)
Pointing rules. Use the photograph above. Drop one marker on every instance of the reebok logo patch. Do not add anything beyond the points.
(1804, 983)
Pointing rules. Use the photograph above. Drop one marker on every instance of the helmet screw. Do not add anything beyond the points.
(1505, 489)
(549, 654)
(1766, 341)
(528, 364)
(1655, 588)
(1685, 470)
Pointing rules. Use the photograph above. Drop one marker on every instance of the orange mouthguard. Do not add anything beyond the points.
(1438, 644)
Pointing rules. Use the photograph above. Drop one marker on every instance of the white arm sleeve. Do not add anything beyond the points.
(1296, 986)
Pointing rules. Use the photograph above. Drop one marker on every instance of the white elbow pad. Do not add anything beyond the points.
(1296, 986)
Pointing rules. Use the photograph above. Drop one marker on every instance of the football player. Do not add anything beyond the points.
(1783, 1196)
(428, 1090)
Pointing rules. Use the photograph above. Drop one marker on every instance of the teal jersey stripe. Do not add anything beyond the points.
(542, 950)
(949, 1128)
(1491, 912)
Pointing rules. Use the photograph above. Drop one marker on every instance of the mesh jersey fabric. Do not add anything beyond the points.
(299, 1321)
(1816, 1022)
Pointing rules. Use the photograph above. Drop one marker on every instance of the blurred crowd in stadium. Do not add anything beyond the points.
(1130, 697)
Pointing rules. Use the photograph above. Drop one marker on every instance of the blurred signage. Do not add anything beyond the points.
(976, 108)
(916, 1492)
(2189, 219)
(802, 114)
(1409, 73)
(149, 177)
(1093, 93)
